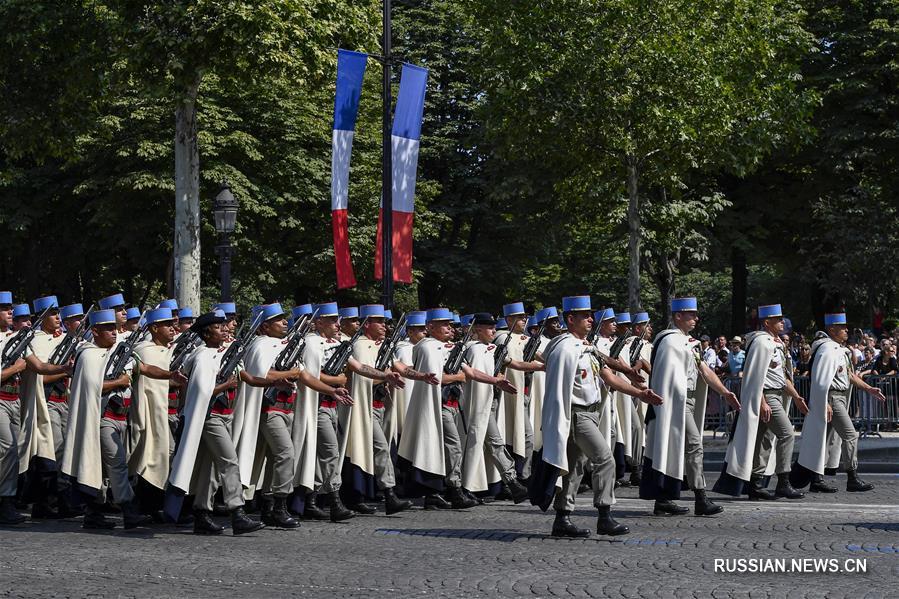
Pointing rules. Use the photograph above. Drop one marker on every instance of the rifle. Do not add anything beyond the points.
(16, 346)
(385, 355)
(499, 356)
(187, 342)
(235, 352)
(637, 345)
(617, 346)
(594, 331)
(533, 344)
(116, 363)
(292, 352)
(233, 355)
(338, 360)
(66, 349)
(453, 365)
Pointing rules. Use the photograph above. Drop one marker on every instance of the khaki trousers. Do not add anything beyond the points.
(218, 462)
(587, 444)
(778, 427)
(9, 447)
(276, 427)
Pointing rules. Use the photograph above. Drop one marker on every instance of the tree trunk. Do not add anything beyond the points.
(187, 202)
(665, 281)
(739, 276)
(633, 243)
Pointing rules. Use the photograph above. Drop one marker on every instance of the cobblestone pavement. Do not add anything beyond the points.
(494, 550)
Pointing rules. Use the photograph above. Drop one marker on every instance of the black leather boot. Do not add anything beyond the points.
(242, 524)
(280, 516)
(65, 508)
(518, 491)
(266, 504)
(8, 513)
(819, 486)
(759, 493)
(459, 500)
(704, 505)
(435, 501)
(666, 507)
(635, 477)
(205, 525)
(785, 489)
(95, 520)
(132, 516)
(394, 504)
(563, 527)
(362, 508)
(42, 510)
(339, 512)
(606, 525)
(855, 484)
(311, 511)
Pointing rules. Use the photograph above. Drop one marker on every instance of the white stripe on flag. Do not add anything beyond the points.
(341, 149)
(405, 162)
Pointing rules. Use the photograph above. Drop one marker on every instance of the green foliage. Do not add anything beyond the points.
(765, 126)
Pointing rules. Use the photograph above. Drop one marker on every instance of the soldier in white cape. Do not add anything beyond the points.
(415, 332)
(364, 445)
(674, 429)
(486, 459)
(206, 453)
(765, 381)
(572, 435)
(511, 408)
(149, 422)
(832, 377)
(423, 456)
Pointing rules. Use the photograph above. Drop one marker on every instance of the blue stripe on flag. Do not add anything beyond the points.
(410, 102)
(350, 70)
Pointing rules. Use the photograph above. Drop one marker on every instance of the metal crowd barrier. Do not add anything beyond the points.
(870, 416)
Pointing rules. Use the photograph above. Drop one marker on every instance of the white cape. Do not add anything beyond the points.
(201, 367)
(150, 432)
(81, 454)
(828, 357)
(422, 442)
(36, 432)
(258, 360)
(478, 470)
(760, 348)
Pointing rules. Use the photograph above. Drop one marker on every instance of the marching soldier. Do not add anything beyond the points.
(765, 383)
(483, 438)
(206, 456)
(549, 317)
(415, 332)
(368, 460)
(349, 322)
(116, 303)
(5, 312)
(673, 433)
(639, 353)
(832, 377)
(230, 311)
(572, 435)
(185, 318)
(511, 409)
(132, 320)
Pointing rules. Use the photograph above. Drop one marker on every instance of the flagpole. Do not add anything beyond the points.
(386, 169)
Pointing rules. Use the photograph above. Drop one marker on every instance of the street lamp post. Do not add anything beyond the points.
(224, 210)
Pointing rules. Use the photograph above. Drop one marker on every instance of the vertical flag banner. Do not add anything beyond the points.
(407, 118)
(350, 70)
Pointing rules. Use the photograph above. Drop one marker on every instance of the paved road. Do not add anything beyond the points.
(495, 550)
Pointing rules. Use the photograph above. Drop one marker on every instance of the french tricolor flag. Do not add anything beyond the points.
(350, 70)
(405, 137)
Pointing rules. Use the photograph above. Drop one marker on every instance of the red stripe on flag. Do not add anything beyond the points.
(402, 246)
(342, 258)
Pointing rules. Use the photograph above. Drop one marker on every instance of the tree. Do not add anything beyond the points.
(169, 48)
(644, 92)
